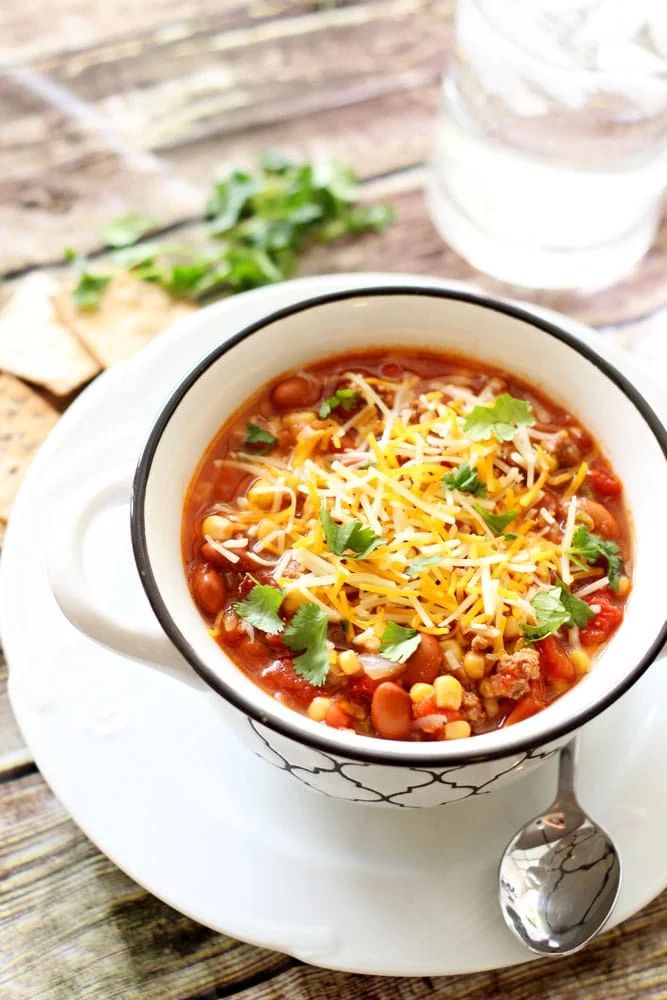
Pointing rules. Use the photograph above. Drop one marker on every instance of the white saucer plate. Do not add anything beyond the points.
(145, 768)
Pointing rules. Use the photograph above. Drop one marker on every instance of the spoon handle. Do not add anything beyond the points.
(566, 766)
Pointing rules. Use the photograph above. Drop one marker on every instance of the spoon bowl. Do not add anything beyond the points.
(560, 875)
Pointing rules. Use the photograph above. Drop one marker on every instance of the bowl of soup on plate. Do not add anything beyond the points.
(409, 538)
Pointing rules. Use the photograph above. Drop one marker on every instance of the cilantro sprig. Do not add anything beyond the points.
(307, 631)
(587, 548)
(399, 642)
(352, 536)
(554, 608)
(345, 398)
(496, 522)
(502, 419)
(258, 436)
(259, 224)
(260, 608)
(465, 479)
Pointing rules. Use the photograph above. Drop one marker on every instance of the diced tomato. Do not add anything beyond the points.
(606, 621)
(275, 641)
(424, 707)
(554, 660)
(604, 483)
(337, 717)
(280, 676)
(361, 687)
(428, 707)
(246, 584)
(527, 706)
(253, 651)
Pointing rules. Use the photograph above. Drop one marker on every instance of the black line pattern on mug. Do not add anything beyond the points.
(331, 765)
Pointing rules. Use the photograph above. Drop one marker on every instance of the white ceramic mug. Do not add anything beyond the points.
(342, 763)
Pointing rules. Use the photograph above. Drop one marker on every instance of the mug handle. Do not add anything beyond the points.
(76, 597)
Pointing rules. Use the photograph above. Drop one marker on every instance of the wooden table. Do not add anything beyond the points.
(106, 108)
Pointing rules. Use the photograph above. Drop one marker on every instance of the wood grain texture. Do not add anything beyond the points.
(164, 90)
(78, 25)
(62, 898)
(80, 125)
(73, 927)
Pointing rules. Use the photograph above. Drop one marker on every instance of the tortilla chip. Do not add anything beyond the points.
(25, 420)
(130, 314)
(36, 345)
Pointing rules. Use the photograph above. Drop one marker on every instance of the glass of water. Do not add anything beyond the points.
(550, 157)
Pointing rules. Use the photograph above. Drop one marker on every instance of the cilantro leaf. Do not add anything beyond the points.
(553, 609)
(496, 522)
(89, 289)
(465, 479)
(345, 398)
(351, 535)
(229, 201)
(579, 612)
(590, 548)
(501, 419)
(260, 608)
(420, 563)
(550, 615)
(256, 435)
(399, 642)
(127, 231)
(259, 223)
(308, 632)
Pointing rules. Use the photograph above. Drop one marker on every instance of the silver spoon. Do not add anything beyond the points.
(560, 875)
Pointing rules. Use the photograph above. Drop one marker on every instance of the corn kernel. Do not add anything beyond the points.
(420, 691)
(491, 707)
(217, 527)
(261, 497)
(624, 586)
(581, 660)
(486, 689)
(298, 418)
(448, 692)
(333, 657)
(293, 600)
(318, 708)
(349, 662)
(474, 665)
(457, 730)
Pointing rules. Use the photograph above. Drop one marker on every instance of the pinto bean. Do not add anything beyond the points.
(603, 520)
(425, 663)
(208, 589)
(295, 393)
(391, 711)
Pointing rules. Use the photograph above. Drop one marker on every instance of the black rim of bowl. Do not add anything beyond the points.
(246, 705)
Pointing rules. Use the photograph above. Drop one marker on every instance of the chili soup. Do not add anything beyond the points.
(408, 544)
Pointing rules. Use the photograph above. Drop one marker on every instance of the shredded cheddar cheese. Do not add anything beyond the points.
(391, 481)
